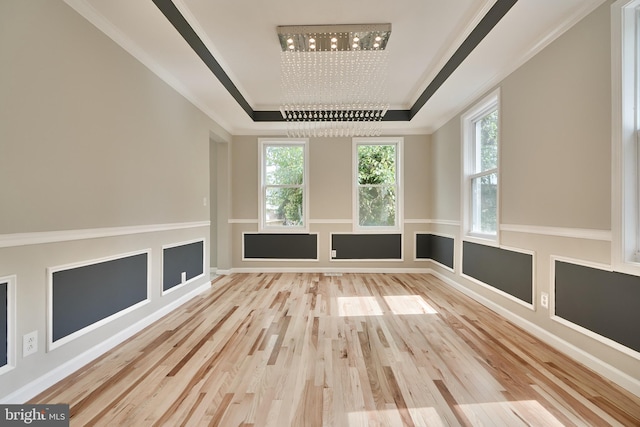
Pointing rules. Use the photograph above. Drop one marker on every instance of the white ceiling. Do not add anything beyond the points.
(241, 35)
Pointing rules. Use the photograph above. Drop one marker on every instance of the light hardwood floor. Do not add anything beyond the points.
(357, 350)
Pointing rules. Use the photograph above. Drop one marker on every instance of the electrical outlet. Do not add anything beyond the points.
(183, 276)
(204, 201)
(544, 299)
(29, 343)
(334, 253)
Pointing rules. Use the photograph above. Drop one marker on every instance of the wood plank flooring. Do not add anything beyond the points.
(356, 350)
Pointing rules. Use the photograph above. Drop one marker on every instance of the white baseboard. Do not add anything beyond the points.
(326, 270)
(52, 377)
(602, 368)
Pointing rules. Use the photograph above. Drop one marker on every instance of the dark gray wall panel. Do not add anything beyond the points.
(607, 303)
(4, 320)
(367, 246)
(187, 258)
(281, 246)
(437, 248)
(85, 295)
(509, 271)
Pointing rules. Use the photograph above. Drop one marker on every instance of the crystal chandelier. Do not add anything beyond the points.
(334, 79)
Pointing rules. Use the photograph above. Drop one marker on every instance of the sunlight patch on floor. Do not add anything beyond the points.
(369, 306)
(531, 410)
(426, 416)
(358, 306)
(487, 413)
(408, 304)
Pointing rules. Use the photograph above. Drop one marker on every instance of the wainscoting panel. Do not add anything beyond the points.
(604, 302)
(4, 323)
(366, 246)
(83, 295)
(435, 247)
(285, 246)
(506, 270)
(187, 258)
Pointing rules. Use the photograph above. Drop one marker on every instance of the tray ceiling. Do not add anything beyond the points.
(241, 37)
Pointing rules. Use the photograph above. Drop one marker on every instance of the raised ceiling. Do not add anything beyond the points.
(241, 36)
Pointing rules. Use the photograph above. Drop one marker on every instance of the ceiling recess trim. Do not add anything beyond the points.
(486, 24)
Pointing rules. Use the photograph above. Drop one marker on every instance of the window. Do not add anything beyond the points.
(481, 137)
(377, 189)
(626, 124)
(283, 181)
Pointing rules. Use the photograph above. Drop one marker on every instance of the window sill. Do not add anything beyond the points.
(377, 230)
(284, 230)
(627, 267)
(482, 239)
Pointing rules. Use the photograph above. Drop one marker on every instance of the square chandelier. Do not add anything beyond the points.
(334, 79)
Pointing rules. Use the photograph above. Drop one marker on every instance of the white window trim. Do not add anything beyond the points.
(11, 323)
(625, 61)
(398, 142)
(481, 108)
(262, 227)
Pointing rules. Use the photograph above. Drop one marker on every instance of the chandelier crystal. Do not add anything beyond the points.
(334, 79)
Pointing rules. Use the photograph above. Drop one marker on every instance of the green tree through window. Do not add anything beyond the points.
(283, 168)
(485, 187)
(377, 186)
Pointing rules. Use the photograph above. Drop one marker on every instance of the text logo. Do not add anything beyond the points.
(34, 415)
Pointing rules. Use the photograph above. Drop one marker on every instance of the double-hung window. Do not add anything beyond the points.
(377, 190)
(480, 193)
(283, 185)
(625, 36)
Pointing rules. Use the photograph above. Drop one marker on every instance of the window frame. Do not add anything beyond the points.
(625, 114)
(263, 144)
(482, 108)
(399, 222)
(11, 324)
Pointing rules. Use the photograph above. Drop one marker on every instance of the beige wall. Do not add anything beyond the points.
(445, 172)
(555, 137)
(330, 172)
(89, 139)
(213, 201)
(89, 135)
(555, 172)
(220, 218)
(556, 132)
(330, 198)
(244, 178)
(417, 188)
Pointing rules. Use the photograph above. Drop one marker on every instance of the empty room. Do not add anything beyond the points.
(345, 213)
